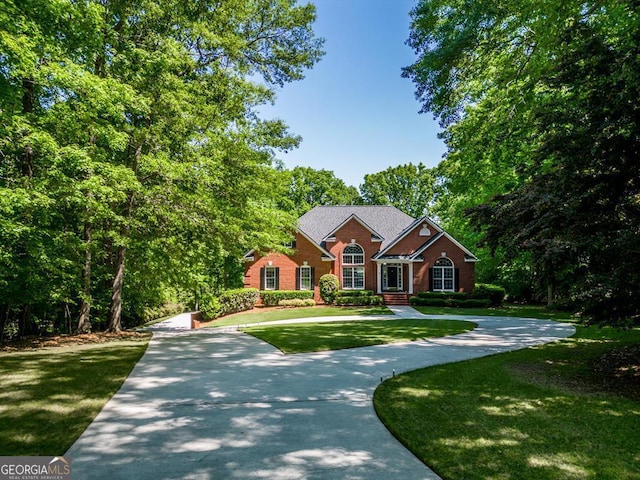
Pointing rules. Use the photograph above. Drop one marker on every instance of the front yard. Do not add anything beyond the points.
(566, 410)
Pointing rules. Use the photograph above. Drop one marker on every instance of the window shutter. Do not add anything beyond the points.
(262, 274)
(297, 278)
(293, 244)
(277, 278)
(431, 279)
(456, 279)
(313, 277)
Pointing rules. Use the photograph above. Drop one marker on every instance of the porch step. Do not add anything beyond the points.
(395, 298)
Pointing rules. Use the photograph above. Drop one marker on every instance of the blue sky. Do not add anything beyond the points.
(354, 111)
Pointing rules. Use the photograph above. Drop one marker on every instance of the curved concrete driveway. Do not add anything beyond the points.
(218, 404)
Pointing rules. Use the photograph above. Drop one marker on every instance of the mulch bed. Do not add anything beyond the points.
(35, 343)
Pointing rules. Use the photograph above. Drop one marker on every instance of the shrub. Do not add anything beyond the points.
(169, 308)
(354, 293)
(209, 307)
(456, 295)
(494, 293)
(351, 300)
(449, 302)
(297, 302)
(271, 298)
(238, 300)
(329, 285)
(231, 301)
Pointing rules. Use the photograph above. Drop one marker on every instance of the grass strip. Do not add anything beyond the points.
(508, 310)
(549, 412)
(317, 337)
(50, 396)
(260, 315)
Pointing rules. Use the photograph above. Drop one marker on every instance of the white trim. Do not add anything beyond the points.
(267, 269)
(319, 247)
(399, 278)
(331, 235)
(411, 278)
(411, 228)
(305, 268)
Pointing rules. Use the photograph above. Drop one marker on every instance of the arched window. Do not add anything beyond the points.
(353, 255)
(443, 275)
(353, 267)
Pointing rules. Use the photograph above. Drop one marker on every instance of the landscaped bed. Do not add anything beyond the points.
(565, 410)
(315, 337)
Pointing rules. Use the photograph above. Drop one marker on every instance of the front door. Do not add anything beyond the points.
(392, 278)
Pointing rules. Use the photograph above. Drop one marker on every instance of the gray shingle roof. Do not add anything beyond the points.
(386, 221)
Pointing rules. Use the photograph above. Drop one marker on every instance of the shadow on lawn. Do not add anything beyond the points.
(50, 396)
(538, 413)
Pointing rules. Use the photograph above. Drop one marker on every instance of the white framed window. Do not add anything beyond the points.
(306, 281)
(270, 278)
(353, 267)
(353, 278)
(353, 255)
(443, 275)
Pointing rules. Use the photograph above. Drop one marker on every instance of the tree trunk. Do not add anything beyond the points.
(550, 293)
(115, 312)
(25, 326)
(4, 318)
(84, 320)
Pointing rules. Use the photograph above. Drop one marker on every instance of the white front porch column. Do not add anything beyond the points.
(410, 278)
(379, 272)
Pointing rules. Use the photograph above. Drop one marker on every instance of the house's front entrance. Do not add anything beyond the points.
(392, 277)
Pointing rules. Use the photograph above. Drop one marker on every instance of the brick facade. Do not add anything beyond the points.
(420, 246)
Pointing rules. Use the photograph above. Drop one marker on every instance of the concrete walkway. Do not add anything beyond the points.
(211, 404)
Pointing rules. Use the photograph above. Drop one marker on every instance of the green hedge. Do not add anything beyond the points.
(297, 302)
(494, 293)
(271, 298)
(329, 285)
(444, 295)
(351, 300)
(450, 302)
(231, 301)
(169, 308)
(354, 293)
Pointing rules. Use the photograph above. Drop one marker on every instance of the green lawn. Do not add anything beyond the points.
(567, 410)
(508, 310)
(260, 315)
(316, 337)
(50, 396)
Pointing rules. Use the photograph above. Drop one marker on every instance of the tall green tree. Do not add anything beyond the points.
(410, 188)
(535, 99)
(306, 188)
(131, 144)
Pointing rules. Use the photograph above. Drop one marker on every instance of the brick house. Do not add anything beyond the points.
(375, 248)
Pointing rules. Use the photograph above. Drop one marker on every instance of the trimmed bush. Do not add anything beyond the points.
(271, 298)
(209, 307)
(351, 300)
(231, 301)
(494, 293)
(169, 308)
(238, 300)
(329, 285)
(441, 295)
(297, 302)
(449, 302)
(354, 293)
